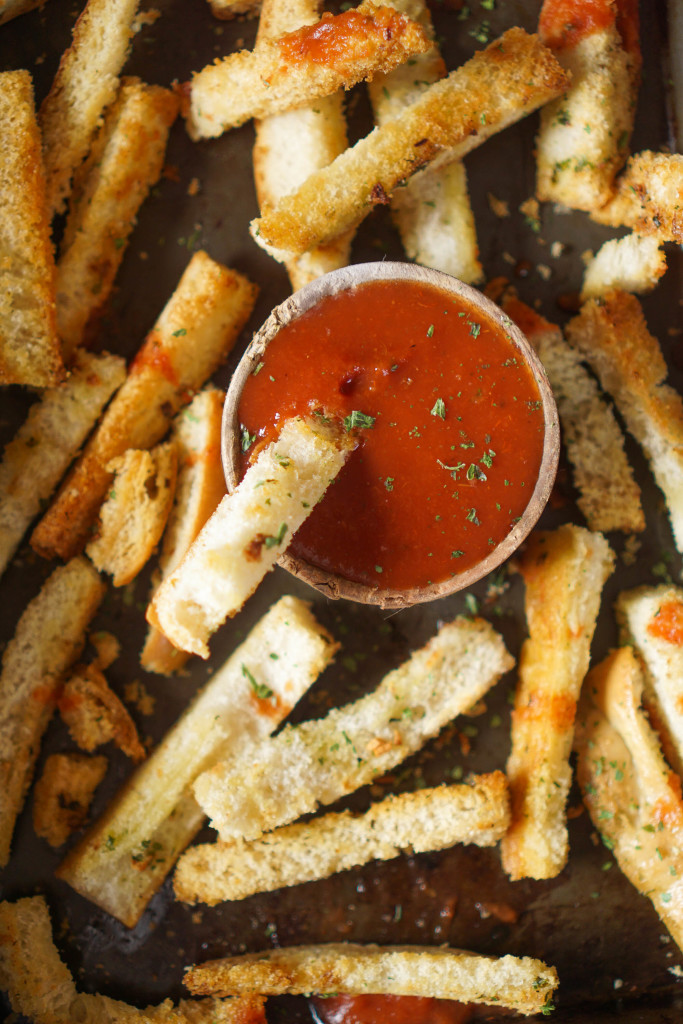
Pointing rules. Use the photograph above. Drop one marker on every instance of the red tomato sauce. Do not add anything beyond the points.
(450, 460)
(337, 39)
(564, 23)
(667, 624)
(383, 1009)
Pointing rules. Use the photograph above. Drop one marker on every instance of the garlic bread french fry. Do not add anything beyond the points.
(564, 572)
(194, 333)
(62, 794)
(134, 513)
(41, 988)
(30, 352)
(319, 129)
(632, 795)
(125, 857)
(124, 162)
(518, 983)
(475, 812)
(584, 135)
(320, 761)
(633, 263)
(199, 488)
(39, 454)
(651, 620)
(85, 84)
(612, 335)
(609, 496)
(649, 197)
(299, 66)
(247, 533)
(500, 85)
(432, 212)
(48, 638)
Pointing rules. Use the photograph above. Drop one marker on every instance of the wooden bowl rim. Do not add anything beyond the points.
(330, 584)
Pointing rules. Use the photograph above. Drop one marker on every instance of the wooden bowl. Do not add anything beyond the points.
(334, 586)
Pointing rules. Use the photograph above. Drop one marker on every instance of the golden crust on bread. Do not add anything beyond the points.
(522, 984)
(498, 86)
(649, 197)
(564, 572)
(94, 714)
(300, 66)
(612, 335)
(194, 333)
(30, 352)
(632, 795)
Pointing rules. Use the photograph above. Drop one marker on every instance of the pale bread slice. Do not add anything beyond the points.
(200, 485)
(648, 197)
(290, 71)
(475, 812)
(39, 454)
(632, 795)
(634, 263)
(40, 986)
(247, 533)
(609, 495)
(193, 335)
(85, 84)
(612, 335)
(518, 983)
(651, 620)
(30, 352)
(433, 213)
(564, 572)
(63, 793)
(500, 85)
(584, 135)
(134, 514)
(47, 640)
(317, 762)
(124, 162)
(125, 857)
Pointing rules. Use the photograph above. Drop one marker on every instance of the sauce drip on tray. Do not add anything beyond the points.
(449, 423)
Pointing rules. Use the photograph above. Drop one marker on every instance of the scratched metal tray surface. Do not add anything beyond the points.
(613, 956)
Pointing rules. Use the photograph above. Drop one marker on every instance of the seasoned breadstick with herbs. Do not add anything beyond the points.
(124, 162)
(634, 263)
(651, 620)
(609, 496)
(299, 66)
(40, 986)
(125, 857)
(247, 533)
(48, 638)
(500, 85)
(476, 812)
(584, 135)
(196, 330)
(632, 795)
(564, 572)
(319, 128)
(317, 762)
(39, 454)
(86, 82)
(612, 335)
(518, 983)
(649, 197)
(433, 213)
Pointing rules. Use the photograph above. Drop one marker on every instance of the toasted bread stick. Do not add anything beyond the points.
(649, 197)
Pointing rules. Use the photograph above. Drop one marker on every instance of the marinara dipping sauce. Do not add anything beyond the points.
(448, 419)
(385, 1009)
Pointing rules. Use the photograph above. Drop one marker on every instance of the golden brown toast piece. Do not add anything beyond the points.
(649, 197)
(63, 793)
(30, 352)
(94, 715)
(192, 336)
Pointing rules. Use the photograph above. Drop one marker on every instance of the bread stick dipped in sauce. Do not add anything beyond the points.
(448, 418)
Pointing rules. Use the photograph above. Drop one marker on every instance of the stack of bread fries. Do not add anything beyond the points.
(191, 742)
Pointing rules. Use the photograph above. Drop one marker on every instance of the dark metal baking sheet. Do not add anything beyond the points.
(613, 956)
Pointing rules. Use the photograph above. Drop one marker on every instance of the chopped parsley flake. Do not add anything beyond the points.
(262, 691)
(358, 419)
(273, 541)
(247, 439)
(439, 409)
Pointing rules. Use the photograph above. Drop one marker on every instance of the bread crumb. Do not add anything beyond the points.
(498, 206)
(544, 271)
(556, 249)
(194, 187)
(136, 694)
